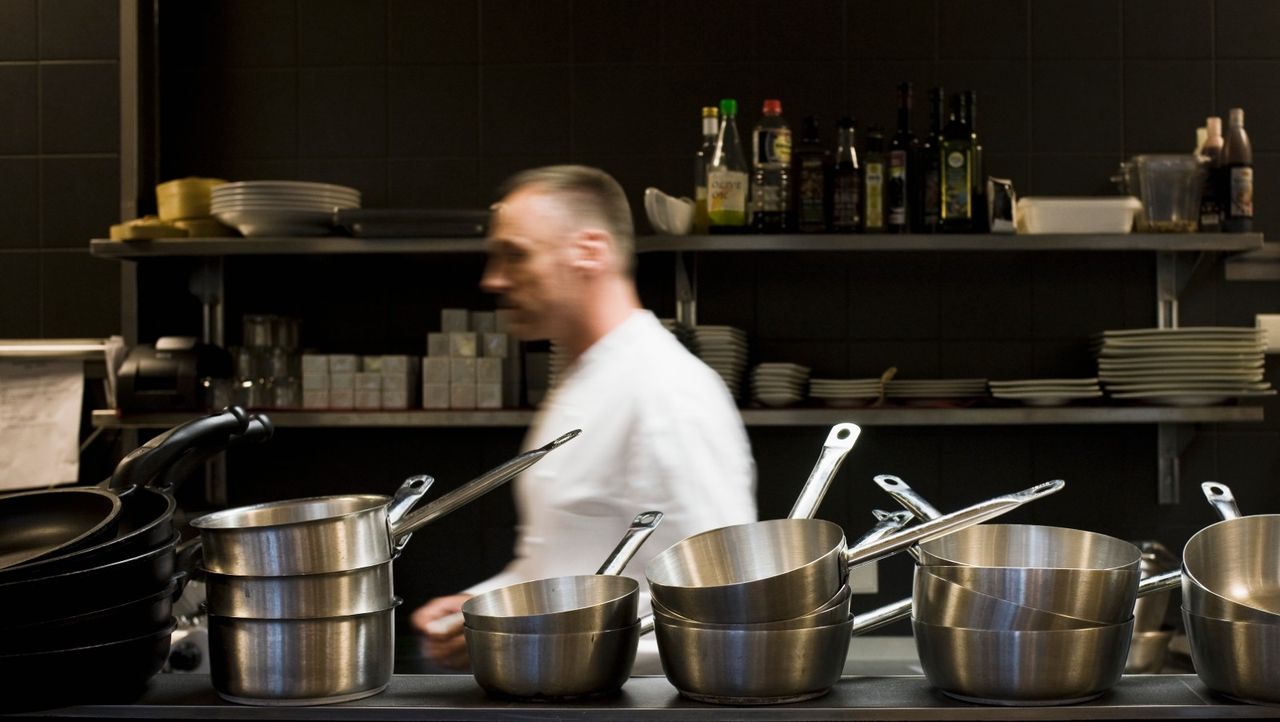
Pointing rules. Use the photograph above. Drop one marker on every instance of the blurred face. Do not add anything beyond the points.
(530, 264)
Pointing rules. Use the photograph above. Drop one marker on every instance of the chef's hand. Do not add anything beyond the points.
(440, 623)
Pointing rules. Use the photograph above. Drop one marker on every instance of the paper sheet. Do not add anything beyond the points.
(40, 423)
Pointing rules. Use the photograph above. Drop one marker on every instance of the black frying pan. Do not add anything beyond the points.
(144, 521)
(43, 524)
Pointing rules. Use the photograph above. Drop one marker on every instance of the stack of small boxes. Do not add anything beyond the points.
(348, 381)
(470, 363)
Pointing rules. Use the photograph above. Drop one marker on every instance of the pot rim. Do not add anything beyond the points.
(217, 521)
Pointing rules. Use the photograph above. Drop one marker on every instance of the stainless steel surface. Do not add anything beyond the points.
(1222, 499)
(1103, 596)
(1148, 651)
(835, 611)
(777, 569)
(839, 441)
(288, 662)
(1149, 612)
(510, 418)
(753, 667)
(944, 603)
(1023, 668)
(882, 616)
(1029, 545)
(561, 605)
(886, 523)
(907, 497)
(301, 596)
(403, 501)
(1239, 659)
(552, 666)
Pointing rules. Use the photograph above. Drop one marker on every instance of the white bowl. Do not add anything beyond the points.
(668, 214)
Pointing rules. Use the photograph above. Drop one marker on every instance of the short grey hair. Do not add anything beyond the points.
(588, 193)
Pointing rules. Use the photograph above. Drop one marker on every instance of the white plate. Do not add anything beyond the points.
(843, 395)
(1183, 362)
(278, 223)
(1047, 390)
(283, 196)
(1043, 382)
(1190, 386)
(784, 366)
(1191, 398)
(286, 185)
(1181, 331)
(1234, 351)
(1059, 393)
(936, 394)
(777, 399)
(1247, 374)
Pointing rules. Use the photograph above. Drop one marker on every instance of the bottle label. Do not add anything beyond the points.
(773, 146)
(1242, 192)
(844, 202)
(897, 189)
(726, 197)
(812, 213)
(956, 168)
(875, 196)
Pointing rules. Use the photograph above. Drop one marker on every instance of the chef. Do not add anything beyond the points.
(660, 429)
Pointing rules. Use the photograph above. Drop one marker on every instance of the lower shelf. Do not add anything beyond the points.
(1067, 415)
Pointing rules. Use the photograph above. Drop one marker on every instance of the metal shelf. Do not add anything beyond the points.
(1212, 242)
(162, 247)
(751, 417)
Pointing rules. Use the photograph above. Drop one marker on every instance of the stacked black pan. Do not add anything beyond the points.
(88, 575)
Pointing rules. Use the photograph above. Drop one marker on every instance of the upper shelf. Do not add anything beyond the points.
(1216, 242)
(801, 416)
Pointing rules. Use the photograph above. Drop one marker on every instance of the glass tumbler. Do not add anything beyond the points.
(1170, 187)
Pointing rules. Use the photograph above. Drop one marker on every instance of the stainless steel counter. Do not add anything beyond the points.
(456, 697)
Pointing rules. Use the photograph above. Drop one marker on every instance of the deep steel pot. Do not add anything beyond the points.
(301, 596)
(1094, 596)
(1231, 569)
(940, 602)
(552, 666)
(295, 662)
(1238, 659)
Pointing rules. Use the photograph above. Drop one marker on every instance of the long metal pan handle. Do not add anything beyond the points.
(408, 495)
(911, 501)
(1223, 501)
(889, 522)
(907, 497)
(955, 521)
(877, 618)
(1160, 582)
(475, 488)
(839, 441)
(641, 527)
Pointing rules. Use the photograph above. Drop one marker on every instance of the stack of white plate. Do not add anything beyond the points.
(845, 392)
(556, 364)
(281, 208)
(926, 390)
(1192, 366)
(1046, 392)
(724, 349)
(779, 384)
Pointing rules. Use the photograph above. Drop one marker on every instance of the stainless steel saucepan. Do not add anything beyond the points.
(1238, 659)
(331, 533)
(1231, 569)
(583, 603)
(778, 569)
(307, 596)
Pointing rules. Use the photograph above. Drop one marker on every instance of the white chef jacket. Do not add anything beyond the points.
(659, 432)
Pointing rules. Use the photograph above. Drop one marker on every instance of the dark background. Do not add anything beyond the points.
(433, 103)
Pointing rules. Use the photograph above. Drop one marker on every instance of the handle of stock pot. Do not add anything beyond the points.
(1221, 498)
(889, 522)
(475, 488)
(839, 441)
(953, 522)
(641, 527)
(405, 498)
(910, 500)
(877, 618)
(1161, 582)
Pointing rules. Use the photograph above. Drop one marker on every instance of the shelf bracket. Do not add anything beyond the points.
(1167, 289)
(686, 290)
(206, 285)
(1171, 441)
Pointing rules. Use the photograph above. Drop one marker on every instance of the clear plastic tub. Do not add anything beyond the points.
(1102, 214)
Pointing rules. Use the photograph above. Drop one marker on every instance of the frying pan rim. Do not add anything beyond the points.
(112, 516)
(591, 578)
(924, 547)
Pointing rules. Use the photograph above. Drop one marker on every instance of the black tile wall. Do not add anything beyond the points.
(67, 91)
(20, 202)
(17, 29)
(434, 103)
(79, 30)
(19, 86)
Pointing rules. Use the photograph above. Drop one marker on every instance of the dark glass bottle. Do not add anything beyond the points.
(930, 168)
(1237, 176)
(901, 167)
(956, 158)
(846, 180)
(873, 182)
(813, 180)
(979, 186)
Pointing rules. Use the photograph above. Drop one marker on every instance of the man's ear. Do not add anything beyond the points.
(592, 251)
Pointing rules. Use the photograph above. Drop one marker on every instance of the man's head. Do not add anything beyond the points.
(558, 236)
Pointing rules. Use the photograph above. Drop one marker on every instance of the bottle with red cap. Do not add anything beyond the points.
(771, 170)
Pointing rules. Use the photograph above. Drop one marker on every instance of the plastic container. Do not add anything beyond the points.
(1077, 215)
(1170, 192)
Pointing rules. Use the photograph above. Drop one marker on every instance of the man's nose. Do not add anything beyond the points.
(493, 280)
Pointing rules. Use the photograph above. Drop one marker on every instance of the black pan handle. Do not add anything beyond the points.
(258, 430)
(145, 462)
